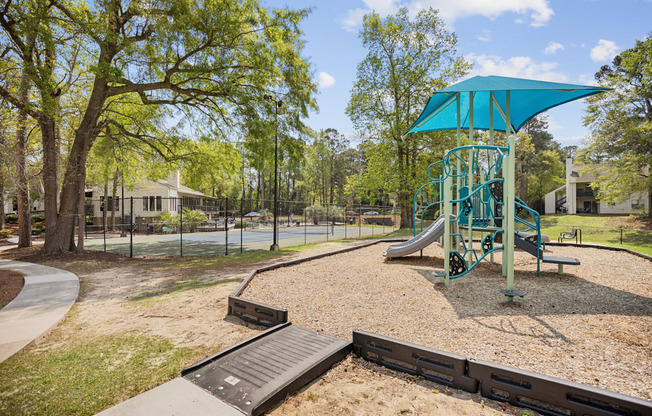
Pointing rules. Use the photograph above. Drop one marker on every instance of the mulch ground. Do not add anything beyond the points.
(11, 283)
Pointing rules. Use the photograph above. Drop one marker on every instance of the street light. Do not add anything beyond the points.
(279, 112)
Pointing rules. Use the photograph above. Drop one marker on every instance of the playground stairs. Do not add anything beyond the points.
(256, 374)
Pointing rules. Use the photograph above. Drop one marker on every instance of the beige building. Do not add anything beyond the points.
(151, 199)
(577, 196)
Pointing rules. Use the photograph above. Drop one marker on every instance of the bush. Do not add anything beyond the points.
(38, 218)
(241, 224)
(38, 225)
(319, 213)
(11, 219)
(5, 233)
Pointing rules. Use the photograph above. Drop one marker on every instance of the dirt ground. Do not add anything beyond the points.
(11, 283)
(189, 308)
(592, 325)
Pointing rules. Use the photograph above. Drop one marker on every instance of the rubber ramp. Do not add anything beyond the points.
(256, 374)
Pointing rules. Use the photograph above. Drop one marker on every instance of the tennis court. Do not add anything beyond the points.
(231, 242)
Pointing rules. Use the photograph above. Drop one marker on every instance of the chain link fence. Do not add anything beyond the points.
(154, 226)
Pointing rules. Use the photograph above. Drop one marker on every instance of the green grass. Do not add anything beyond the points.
(603, 229)
(147, 298)
(85, 376)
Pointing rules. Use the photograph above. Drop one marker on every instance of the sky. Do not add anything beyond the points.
(551, 40)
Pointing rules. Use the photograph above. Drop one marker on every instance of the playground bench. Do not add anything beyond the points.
(570, 236)
(166, 230)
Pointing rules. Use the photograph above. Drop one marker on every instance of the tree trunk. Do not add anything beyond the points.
(261, 184)
(61, 238)
(21, 174)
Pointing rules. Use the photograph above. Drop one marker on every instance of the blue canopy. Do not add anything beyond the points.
(528, 98)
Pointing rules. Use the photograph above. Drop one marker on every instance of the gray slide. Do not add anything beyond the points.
(421, 241)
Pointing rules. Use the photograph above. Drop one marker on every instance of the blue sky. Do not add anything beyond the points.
(552, 40)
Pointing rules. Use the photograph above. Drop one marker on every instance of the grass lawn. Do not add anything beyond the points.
(603, 229)
(600, 229)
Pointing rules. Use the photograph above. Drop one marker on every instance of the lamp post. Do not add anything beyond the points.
(279, 111)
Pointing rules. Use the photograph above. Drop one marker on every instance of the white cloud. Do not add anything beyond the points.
(539, 11)
(587, 79)
(485, 36)
(517, 66)
(553, 125)
(326, 80)
(571, 140)
(605, 50)
(553, 47)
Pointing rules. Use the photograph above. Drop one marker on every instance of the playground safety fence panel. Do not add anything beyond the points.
(153, 226)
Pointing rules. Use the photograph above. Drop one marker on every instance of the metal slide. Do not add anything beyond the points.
(421, 241)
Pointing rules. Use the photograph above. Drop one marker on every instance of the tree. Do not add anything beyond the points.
(620, 146)
(212, 59)
(406, 61)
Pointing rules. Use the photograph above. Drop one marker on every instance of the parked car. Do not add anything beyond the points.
(371, 213)
(351, 213)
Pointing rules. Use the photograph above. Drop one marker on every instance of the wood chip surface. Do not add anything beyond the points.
(592, 325)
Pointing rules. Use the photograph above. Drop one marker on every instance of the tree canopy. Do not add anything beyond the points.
(620, 148)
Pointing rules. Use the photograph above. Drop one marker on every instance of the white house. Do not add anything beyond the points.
(577, 196)
(150, 200)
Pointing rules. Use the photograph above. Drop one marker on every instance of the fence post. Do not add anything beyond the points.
(360, 219)
(131, 227)
(181, 228)
(345, 220)
(226, 226)
(327, 222)
(104, 225)
(241, 223)
(621, 236)
(305, 227)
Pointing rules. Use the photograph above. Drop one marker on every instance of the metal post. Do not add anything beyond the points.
(241, 223)
(305, 227)
(131, 228)
(327, 222)
(491, 162)
(448, 209)
(274, 246)
(104, 224)
(509, 207)
(226, 226)
(360, 219)
(470, 177)
(181, 228)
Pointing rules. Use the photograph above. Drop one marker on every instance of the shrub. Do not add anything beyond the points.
(319, 213)
(11, 219)
(5, 233)
(38, 218)
(241, 224)
(38, 225)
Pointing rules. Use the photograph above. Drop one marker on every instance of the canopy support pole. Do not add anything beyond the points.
(508, 208)
(470, 178)
(491, 162)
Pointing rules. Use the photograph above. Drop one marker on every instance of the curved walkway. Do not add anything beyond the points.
(47, 296)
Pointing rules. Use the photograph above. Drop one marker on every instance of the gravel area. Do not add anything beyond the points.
(592, 325)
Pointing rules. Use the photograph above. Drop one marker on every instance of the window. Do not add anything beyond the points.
(611, 204)
(109, 203)
(152, 203)
(637, 204)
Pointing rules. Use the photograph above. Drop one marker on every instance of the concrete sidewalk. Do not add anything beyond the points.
(45, 299)
(178, 397)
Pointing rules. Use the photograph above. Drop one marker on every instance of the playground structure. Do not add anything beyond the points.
(474, 184)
